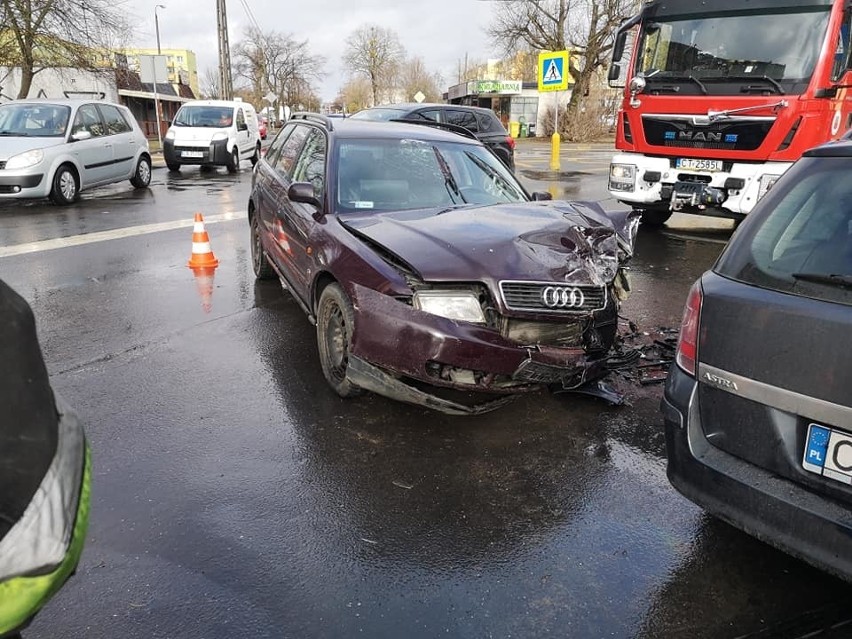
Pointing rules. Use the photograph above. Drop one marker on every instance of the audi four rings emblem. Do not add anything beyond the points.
(563, 297)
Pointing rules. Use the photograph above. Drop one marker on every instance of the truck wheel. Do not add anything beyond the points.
(655, 217)
(234, 164)
(173, 166)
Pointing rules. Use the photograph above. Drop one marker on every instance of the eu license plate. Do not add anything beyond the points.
(192, 154)
(698, 165)
(828, 452)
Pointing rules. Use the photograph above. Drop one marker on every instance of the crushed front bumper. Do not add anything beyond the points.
(392, 339)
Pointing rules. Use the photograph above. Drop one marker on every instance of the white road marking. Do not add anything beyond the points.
(115, 234)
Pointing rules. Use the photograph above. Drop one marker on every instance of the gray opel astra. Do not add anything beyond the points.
(758, 410)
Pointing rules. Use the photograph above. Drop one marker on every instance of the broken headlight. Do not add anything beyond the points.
(622, 177)
(454, 305)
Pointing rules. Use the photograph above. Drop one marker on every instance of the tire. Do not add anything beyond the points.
(259, 262)
(335, 323)
(173, 166)
(233, 164)
(66, 186)
(655, 217)
(256, 157)
(142, 175)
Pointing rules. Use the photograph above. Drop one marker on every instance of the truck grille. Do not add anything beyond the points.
(530, 296)
(733, 134)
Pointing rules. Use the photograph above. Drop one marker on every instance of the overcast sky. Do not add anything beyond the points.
(439, 31)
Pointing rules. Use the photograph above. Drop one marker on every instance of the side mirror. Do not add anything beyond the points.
(614, 73)
(81, 135)
(618, 47)
(541, 196)
(303, 192)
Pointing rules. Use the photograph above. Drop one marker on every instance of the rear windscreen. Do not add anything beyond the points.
(798, 239)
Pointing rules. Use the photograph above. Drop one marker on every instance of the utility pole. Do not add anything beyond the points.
(226, 88)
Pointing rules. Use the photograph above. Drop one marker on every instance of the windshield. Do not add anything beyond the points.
(379, 114)
(34, 120)
(769, 53)
(393, 175)
(799, 238)
(207, 116)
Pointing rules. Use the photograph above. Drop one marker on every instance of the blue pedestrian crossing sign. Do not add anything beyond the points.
(553, 73)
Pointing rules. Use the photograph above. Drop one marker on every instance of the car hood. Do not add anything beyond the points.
(573, 242)
(197, 133)
(11, 146)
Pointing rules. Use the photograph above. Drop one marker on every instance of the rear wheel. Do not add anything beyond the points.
(655, 217)
(234, 163)
(335, 325)
(65, 186)
(259, 261)
(142, 176)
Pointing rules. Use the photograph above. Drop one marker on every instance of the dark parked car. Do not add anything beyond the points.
(758, 412)
(421, 258)
(483, 123)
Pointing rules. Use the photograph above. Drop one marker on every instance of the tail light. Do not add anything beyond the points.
(510, 141)
(687, 345)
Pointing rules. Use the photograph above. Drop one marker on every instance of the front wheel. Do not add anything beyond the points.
(259, 261)
(173, 166)
(655, 217)
(142, 176)
(234, 164)
(335, 325)
(65, 186)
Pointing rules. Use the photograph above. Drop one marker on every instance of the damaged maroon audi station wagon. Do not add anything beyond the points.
(425, 264)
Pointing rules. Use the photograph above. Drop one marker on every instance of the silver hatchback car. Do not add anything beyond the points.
(58, 148)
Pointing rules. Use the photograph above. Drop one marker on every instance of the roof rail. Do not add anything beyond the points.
(454, 128)
(314, 117)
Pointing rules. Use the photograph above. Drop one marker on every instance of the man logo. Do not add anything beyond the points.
(563, 297)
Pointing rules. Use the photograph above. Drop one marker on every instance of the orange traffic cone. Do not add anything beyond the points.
(202, 255)
(204, 285)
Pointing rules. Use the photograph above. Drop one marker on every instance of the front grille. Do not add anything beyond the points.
(553, 333)
(731, 134)
(529, 296)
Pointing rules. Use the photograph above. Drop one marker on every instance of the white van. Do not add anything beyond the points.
(212, 132)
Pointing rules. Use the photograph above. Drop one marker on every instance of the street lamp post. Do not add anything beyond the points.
(156, 95)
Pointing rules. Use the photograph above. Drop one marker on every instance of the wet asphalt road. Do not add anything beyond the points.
(236, 496)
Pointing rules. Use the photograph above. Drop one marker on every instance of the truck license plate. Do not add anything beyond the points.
(192, 154)
(698, 165)
(828, 452)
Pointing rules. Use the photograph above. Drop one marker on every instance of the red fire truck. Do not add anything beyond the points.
(722, 96)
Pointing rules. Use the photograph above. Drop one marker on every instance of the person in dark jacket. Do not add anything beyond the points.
(45, 474)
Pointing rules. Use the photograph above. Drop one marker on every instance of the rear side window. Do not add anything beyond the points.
(114, 119)
(800, 238)
(490, 123)
(462, 118)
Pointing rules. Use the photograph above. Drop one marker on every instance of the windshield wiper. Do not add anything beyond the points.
(843, 281)
(15, 133)
(664, 77)
(747, 78)
(449, 180)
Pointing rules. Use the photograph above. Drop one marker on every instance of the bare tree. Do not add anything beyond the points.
(375, 53)
(587, 27)
(415, 77)
(277, 62)
(210, 84)
(355, 95)
(61, 33)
